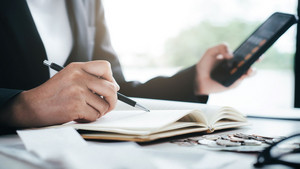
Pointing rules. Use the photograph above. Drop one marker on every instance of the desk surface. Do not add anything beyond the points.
(189, 157)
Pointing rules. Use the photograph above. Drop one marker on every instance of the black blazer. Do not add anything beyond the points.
(22, 53)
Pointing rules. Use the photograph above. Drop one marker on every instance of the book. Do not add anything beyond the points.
(166, 119)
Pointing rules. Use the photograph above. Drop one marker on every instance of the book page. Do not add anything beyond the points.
(133, 120)
(162, 116)
(207, 114)
(223, 116)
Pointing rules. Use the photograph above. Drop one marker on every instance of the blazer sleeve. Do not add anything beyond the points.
(7, 94)
(178, 87)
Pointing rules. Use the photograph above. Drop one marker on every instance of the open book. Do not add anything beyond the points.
(166, 119)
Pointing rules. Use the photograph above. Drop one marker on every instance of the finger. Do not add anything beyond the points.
(251, 72)
(237, 82)
(224, 51)
(98, 103)
(88, 114)
(103, 88)
(99, 68)
(115, 82)
(260, 58)
(112, 101)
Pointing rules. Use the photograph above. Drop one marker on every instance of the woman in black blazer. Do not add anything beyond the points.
(24, 79)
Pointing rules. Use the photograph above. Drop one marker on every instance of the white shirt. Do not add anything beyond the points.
(52, 22)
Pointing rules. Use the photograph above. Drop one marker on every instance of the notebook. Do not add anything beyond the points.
(166, 119)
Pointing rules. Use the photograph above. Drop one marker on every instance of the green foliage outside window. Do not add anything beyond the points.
(188, 46)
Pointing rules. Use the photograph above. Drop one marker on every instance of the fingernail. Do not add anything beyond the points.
(117, 84)
(254, 71)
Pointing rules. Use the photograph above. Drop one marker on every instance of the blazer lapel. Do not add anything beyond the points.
(24, 32)
(79, 25)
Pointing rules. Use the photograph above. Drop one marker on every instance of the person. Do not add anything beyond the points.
(74, 34)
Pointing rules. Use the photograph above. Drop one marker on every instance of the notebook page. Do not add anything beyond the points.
(218, 113)
(209, 111)
(134, 120)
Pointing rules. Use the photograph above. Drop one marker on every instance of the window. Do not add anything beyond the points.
(164, 36)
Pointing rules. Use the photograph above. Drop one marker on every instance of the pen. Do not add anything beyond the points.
(121, 97)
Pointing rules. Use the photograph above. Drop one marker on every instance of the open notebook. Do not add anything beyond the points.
(166, 119)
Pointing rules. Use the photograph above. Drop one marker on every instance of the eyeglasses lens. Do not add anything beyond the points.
(287, 150)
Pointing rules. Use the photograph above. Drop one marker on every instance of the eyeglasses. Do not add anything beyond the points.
(286, 152)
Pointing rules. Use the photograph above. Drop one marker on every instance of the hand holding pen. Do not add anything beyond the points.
(70, 95)
(121, 97)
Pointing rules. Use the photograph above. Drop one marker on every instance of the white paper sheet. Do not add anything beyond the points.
(64, 148)
(47, 142)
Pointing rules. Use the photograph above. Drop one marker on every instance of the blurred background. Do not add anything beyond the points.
(161, 37)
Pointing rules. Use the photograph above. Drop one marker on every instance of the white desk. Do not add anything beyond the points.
(165, 154)
(189, 157)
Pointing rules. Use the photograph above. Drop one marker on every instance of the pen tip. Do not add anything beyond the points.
(142, 107)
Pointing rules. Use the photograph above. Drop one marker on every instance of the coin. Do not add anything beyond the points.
(225, 137)
(252, 143)
(206, 142)
(236, 139)
(243, 136)
(227, 143)
(237, 142)
(211, 137)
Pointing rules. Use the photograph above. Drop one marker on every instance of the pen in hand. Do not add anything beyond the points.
(121, 97)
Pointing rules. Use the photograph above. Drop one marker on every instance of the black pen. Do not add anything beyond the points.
(121, 97)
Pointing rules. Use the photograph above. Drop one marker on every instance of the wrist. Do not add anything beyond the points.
(200, 83)
(15, 113)
(200, 88)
